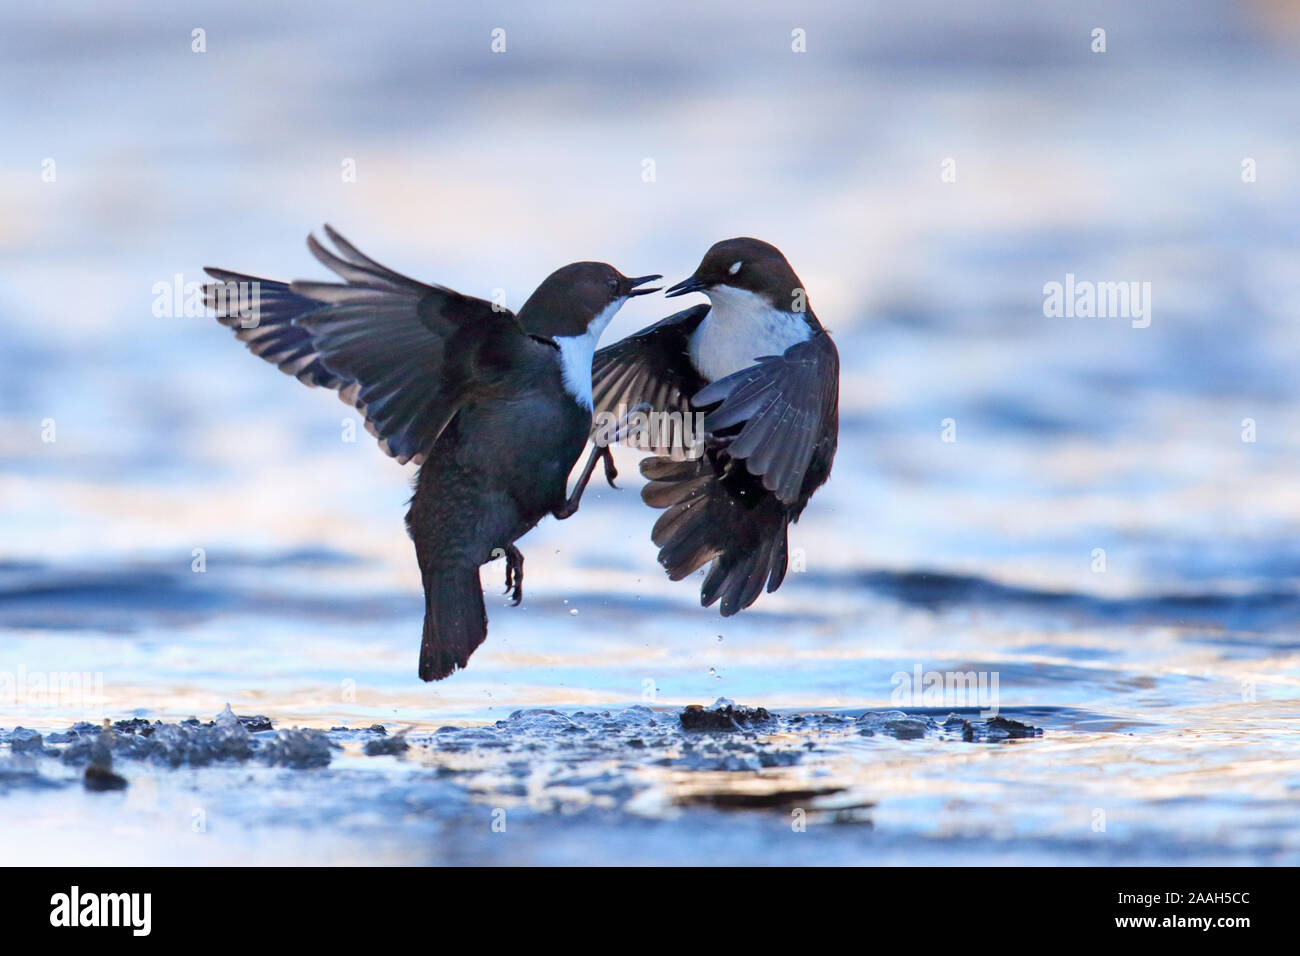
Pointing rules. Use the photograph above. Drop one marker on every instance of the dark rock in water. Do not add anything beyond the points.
(906, 728)
(386, 745)
(136, 725)
(99, 775)
(1002, 728)
(22, 740)
(102, 778)
(198, 745)
(190, 742)
(723, 715)
(228, 716)
(990, 731)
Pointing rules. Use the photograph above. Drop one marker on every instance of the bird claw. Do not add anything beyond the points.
(610, 471)
(514, 575)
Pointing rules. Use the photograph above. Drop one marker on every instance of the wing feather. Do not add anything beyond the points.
(651, 366)
(379, 338)
(785, 403)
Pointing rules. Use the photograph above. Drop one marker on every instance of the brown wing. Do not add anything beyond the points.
(396, 349)
(787, 407)
(652, 366)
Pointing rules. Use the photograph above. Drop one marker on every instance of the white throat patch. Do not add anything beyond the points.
(577, 351)
(740, 327)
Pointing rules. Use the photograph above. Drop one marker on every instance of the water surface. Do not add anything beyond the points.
(1099, 536)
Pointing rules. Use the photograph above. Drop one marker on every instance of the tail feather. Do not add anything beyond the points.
(685, 545)
(455, 622)
(737, 577)
(724, 517)
(665, 494)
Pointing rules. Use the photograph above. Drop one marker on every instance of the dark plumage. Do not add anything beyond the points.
(494, 407)
(767, 374)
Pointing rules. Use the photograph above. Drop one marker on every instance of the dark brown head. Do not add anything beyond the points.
(751, 265)
(579, 298)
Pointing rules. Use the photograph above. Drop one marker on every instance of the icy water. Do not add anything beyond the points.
(1110, 540)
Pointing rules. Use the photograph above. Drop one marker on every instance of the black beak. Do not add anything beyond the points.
(633, 283)
(690, 284)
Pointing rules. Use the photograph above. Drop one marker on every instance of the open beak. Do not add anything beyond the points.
(689, 284)
(633, 283)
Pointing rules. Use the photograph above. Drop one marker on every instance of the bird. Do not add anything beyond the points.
(757, 365)
(494, 407)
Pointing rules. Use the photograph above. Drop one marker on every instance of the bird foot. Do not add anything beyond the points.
(610, 471)
(514, 575)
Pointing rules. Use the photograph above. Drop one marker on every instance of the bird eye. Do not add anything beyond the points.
(735, 267)
(612, 283)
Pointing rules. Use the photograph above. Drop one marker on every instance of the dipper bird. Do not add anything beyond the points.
(495, 408)
(760, 364)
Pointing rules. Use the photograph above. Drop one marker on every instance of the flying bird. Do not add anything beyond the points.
(495, 408)
(765, 374)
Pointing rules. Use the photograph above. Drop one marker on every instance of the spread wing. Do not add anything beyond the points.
(652, 366)
(787, 407)
(380, 339)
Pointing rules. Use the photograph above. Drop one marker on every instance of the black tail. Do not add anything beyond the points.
(729, 518)
(455, 622)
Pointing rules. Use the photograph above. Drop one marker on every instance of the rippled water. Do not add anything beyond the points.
(1163, 673)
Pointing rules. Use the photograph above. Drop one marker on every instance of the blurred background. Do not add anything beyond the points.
(926, 168)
